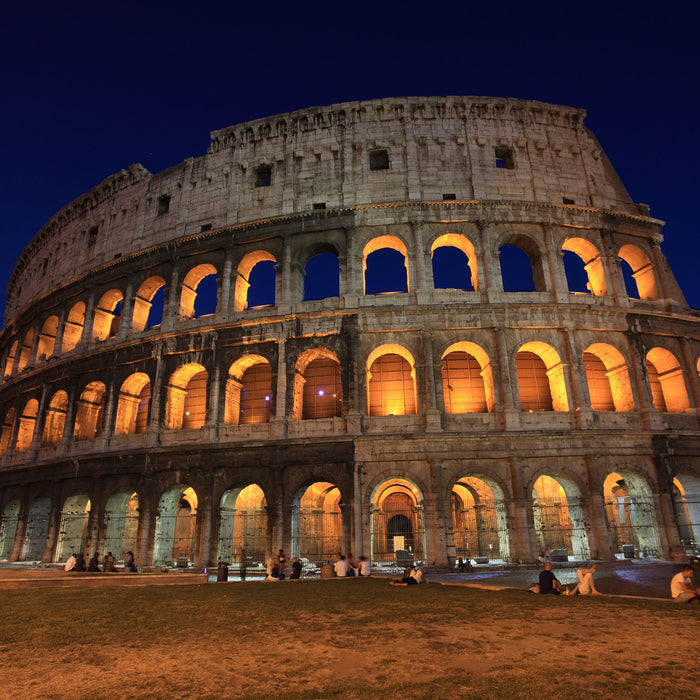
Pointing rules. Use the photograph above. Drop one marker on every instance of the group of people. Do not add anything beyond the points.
(276, 568)
(76, 562)
(411, 576)
(346, 566)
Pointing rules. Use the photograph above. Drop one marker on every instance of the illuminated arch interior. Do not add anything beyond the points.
(608, 378)
(397, 523)
(133, 404)
(666, 382)
(642, 271)
(243, 277)
(27, 422)
(593, 265)
(391, 381)
(463, 244)
(249, 391)
(143, 317)
(72, 536)
(89, 412)
(25, 350)
(243, 526)
(186, 402)
(540, 378)
(47, 339)
(107, 315)
(188, 295)
(55, 419)
(467, 379)
(73, 327)
(175, 525)
(318, 523)
(318, 390)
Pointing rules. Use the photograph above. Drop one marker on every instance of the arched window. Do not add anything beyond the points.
(10, 361)
(322, 277)
(608, 379)
(27, 423)
(642, 273)
(6, 430)
(249, 391)
(454, 263)
(47, 339)
(107, 315)
(148, 304)
(55, 418)
(25, 350)
(73, 327)
(583, 267)
(540, 378)
(385, 265)
(255, 282)
(89, 412)
(391, 381)
(199, 292)
(666, 382)
(467, 379)
(133, 404)
(186, 403)
(318, 390)
(521, 265)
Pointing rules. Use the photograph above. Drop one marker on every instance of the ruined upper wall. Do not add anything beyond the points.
(467, 148)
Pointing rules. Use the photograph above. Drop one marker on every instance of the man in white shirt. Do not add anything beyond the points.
(70, 564)
(683, 589)
(341, 566)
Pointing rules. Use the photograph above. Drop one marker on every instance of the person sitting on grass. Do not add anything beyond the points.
(548, 581)
(683, 589)
(585, 585)
(416, 576)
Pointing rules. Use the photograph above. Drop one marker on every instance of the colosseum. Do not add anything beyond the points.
(416, 329)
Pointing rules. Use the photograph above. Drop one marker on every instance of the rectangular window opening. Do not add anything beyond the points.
(163, 204)
(379, 159)
(504, 158)
(449, 197)
(205, 227)
(263, 176)
(319, 205)
(568, 200)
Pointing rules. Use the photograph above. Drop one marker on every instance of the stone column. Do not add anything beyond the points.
(433, 421)
(39, 423)
(520, 525)
(35, 346)
(358, 535)
(54, 524)
(145, 538)
(640, 389)
(127, 315)
(88, 323)
(689, 362)
(279, 422)
(171, 303)
(596, 518)
(58, 341)
(204, 518)
(224, 302)
(555, 265)
(21, 530)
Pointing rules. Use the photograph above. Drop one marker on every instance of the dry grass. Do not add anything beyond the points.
(354, 638)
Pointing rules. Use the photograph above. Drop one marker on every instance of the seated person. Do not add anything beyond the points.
(414, 577)
(683, 589)
(585, 585)
(548, 581)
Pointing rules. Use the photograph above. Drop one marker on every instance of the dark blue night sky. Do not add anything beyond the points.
(91, 88)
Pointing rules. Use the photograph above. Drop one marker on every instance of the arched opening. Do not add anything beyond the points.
(243, 526)
(639, 280)
(322, 277)
(398, 535)
(631, 517)
(686, 505)
(391, 381)
(148, 304)
(255, 281)
(558, 517)
(25, 350)
(47, 339)
(521, 265)
(107, 315)
(73, 531)
(583, 267)
(541, 383)
(317, 523)
(10, 361)
(318, 390)
(133, 404)
(175, 534)
(186, 402)
(89, 412)
(385, 266)
(479, 519)
(248, 391)
(73, 327)
(467, 379)
(666, 382)
(199, 292)
(121, 523)
(37, 529)
(6, 431)
(454, 263)
(55, 418)
(608, 378)
(8, 528)
(27, 423)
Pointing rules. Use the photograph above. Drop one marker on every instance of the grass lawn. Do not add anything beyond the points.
(341, 638)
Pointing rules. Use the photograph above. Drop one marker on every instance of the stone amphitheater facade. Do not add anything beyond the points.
(403, 420)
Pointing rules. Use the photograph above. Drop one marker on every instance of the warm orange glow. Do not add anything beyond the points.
(89, 411)
(391, 385)
(456, 240)
(27, 422)
(143, 302)
(47, 338)
(186, 398)
(73, 327)
(593, 264)
(189, 288)
(642, 271)
(540, 378)
(55, 418)
(240, 302)
(463, 384)
(378, 243)
(106, 322)
(132, 407)
(666, 381)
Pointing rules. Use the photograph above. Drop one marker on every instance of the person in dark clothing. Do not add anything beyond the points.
(296, 568)
(548, 581)
(94, 564)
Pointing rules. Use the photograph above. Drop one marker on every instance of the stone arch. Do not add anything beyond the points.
(479, 519)
(90, 412)
(27, 424)
(73, 530)
(243, 525)
(642, 271)
(666, 382)
(608, 378)
(629, 507)
(133, 404)
(513, 271)
(10, 361)
(6, 430)
(318, 389)
(248, 391)
(686, 502)
(388, 242)
(245, 268)
(322, 274)
(121, 522)
(317, 527)
(36, 530)
(73, 327)
(107, 315)
(55, 418)
(176, 526)
(47, 339)
(8, 528)
(467, 379)
(558, 516)
(144, 304)
(462, 244)
(397, 523)
(541, 382)
(188, 295)
(391, 381)
(186, 399)
(25, 350)
(589, 256)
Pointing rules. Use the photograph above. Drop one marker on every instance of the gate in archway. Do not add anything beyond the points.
(632, 522)
(397, 534)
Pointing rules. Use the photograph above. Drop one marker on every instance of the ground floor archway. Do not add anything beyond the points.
(121, 523)
(73, 529)
(176, 527)
(243, 526)
(8, 528)
(37, 529)
(317, 525)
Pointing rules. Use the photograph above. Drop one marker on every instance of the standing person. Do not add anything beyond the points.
(365, 569)
(683, 589)
(341, 567)
(548, 581)
(281, 561)
(585, 585)
(243, 564)
(296, 568)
